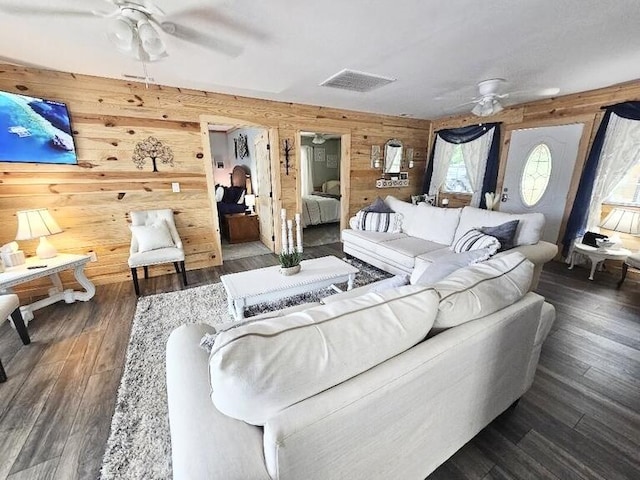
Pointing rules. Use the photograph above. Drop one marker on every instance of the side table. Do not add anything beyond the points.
(597, 255)
(239, 228)
(50, 268)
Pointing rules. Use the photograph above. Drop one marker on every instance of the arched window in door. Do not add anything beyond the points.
(536, 174)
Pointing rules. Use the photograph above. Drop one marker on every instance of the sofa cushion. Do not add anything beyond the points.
(481, 289)
(368, 239)
(476, 240)
(435, 223)
(403, 251)
(378, 222)
(406, 209)
(529, 230)
(261, 368)
(429, 272)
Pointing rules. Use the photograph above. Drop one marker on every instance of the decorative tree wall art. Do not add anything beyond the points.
(243, 146)
(153, 149)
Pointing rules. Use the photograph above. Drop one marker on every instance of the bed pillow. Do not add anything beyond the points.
(505, 233)
(445, 265)
(152, 237)
(378, 206)
(257, 370)
(482, 289)
(475, 240)
(378, 222)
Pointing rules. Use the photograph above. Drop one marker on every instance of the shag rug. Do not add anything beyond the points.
(139, 444)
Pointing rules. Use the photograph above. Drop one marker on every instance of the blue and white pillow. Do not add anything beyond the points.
(378, 222)
(476, 240)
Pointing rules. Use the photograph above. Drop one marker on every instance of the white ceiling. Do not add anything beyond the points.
(437, 51)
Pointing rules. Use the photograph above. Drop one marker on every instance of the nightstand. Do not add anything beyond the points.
(239, 228)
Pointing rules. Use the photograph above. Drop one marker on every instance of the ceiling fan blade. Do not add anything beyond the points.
(214, 16)
(193, 36)
(475, 100)
(538, 92)
(18, 10)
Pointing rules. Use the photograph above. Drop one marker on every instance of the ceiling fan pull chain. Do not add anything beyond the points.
(146, 75)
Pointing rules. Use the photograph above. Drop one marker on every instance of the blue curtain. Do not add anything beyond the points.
(465, 135)
(580, 211)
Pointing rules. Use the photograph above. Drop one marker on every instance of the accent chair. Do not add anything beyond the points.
(10, 307)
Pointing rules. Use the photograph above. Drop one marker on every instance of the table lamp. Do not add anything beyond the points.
(623, 221)
(38, 223)
(250, 201)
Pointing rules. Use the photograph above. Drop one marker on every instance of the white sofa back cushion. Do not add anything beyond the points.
(481, 289)
(261, 368)
(406, 209)
(435, 224)
(529, 230)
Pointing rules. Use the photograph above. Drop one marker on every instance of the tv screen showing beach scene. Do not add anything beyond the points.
(35, 130)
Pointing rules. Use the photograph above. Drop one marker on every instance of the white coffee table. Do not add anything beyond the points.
(267, 284)
(597, 255)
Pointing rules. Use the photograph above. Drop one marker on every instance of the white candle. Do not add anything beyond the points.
(290, 227)
(283, 216)
(299, 233)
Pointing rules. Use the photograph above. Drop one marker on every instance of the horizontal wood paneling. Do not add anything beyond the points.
(91, 201)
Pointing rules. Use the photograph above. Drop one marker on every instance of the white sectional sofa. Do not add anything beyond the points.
(290, 413)
(427, 232)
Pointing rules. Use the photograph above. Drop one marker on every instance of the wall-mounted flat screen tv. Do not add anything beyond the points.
(34, 130)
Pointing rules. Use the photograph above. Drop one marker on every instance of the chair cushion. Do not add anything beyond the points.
(261, 368)
(152, 237)
(529, 230)
(633, 260)
(8, 303)
(154, 257)
(481, 289)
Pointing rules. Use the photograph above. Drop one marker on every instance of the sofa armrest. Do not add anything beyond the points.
(352, 223)
(539, 254)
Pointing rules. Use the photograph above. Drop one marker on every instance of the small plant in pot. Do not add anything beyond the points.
(290, 263)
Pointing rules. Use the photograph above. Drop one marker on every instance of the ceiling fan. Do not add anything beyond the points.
(135, 28)
(489, 99)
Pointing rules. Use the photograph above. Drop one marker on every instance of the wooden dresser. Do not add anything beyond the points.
(239, 228)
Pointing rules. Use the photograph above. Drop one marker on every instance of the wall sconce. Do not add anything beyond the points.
(375, 156)
(410, 157)
(287, 152)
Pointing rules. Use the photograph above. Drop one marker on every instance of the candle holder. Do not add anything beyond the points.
(291, 253)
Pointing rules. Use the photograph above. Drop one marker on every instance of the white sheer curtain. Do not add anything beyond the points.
(475, 156)
(441, 159)
(306, 170)
(620, 151)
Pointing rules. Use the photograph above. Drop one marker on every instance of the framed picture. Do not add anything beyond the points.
(404, 176)
(319, 154)
(220, 164)
(332, 161)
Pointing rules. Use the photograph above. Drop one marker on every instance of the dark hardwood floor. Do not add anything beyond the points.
(580, 420)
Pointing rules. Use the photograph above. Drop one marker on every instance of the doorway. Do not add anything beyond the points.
(320, 187)
(241, 170)
(540, 166)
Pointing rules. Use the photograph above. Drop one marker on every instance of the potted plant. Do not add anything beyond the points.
(290, 263)
(291, 253)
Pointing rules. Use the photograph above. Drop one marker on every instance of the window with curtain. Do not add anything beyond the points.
(457, 180)
(627, 192)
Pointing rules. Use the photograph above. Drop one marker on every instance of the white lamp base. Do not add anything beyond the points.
(45, 249)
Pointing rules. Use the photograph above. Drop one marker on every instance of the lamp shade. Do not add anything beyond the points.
(318, 139)
(623, 221)
(35, 224)
(250, 200)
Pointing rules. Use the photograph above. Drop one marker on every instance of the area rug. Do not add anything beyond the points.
(139, 444)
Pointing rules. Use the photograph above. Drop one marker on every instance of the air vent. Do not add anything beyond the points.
(356, 81)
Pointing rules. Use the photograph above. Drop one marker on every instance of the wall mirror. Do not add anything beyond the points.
(393, 156)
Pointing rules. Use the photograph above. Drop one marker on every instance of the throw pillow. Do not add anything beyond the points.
(152, 237)
(378, 222)
(475, 240)
(389, 283)
(482, 289)
(445, 265)
(505, 233)
(428, 199)
(378, 206)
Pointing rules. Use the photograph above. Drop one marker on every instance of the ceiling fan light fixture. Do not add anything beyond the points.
(318, 139)
(497, 107)
(478, 109)
(121, 33)
(150, 40)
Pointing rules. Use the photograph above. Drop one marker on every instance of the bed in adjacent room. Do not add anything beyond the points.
(320, 208)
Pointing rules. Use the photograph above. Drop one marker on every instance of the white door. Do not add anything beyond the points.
(264, 193)
(540, 165)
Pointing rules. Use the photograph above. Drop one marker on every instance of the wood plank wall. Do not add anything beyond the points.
(91, 201)
(585, 107)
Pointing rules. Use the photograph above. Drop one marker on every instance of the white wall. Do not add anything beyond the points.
(223, 150)
(220, 153)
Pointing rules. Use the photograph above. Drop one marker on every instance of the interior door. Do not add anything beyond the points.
(264, 190)
(540, 165)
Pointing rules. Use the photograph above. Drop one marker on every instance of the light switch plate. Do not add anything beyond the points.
(175, 187)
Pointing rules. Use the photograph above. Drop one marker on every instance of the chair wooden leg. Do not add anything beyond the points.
(146, 272)
(18, 322)
(177, 267)
(134, 276)
(3, 374)
(184, 274)
(625, 267)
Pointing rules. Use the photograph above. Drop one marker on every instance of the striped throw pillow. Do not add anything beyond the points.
(475, 240)
(378, 222)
